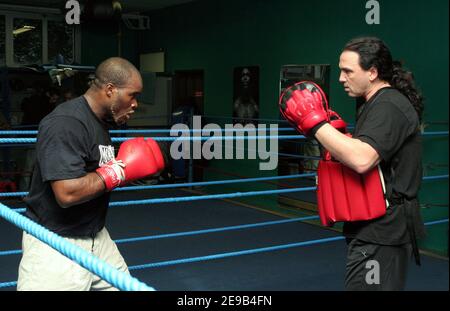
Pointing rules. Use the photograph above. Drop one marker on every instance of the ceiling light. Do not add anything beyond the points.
(22, 30)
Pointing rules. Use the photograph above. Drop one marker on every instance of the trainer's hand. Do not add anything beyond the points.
(337, 122)
(303, 105)
(137, 158)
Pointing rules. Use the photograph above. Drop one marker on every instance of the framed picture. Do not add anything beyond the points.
(246, 94)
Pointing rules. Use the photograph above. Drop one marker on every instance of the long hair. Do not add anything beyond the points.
(374, 53)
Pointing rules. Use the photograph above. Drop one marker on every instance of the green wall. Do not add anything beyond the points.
(101, 41)
(218, 35)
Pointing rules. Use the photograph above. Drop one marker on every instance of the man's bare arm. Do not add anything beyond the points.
(75, 191)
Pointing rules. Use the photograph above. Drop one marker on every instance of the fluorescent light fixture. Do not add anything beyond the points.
(22, 30)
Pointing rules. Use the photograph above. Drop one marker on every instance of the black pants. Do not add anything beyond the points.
(374, 267)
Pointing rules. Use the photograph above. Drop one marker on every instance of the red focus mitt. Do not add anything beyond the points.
(304, 105)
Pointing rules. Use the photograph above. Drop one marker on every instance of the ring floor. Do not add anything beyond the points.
(318, 267)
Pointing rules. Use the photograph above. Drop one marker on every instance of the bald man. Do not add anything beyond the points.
(71, 184)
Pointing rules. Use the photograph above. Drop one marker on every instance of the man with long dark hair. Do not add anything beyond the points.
(387, 134)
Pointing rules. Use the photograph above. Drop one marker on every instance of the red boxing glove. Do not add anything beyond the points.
(337, 122)
(304, 106)
(137, 158)
(159, 158)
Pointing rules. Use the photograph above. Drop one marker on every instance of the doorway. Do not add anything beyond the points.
(188, 94)
(188, 90)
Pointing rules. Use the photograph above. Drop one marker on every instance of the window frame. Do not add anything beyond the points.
(9, 39)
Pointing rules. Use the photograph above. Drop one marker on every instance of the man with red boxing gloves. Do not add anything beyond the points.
(387, 133)
(74, 173)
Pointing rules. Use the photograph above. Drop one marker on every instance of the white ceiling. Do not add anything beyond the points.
(128, 6)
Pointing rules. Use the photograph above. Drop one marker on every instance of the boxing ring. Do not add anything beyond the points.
(180, 237)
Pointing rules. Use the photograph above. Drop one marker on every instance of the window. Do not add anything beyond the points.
(32, 38)
(27, 41)
(60, 41)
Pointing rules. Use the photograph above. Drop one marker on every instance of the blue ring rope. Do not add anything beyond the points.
(294, 155)
(208, 183)
(223, 195)
(435, 177)
(257, 193)
(212, 230)
(281, 129)
(243, 252)
(8, 284)
(192, 184)
(11, 252)
(233, 254)
(179, 138)
(238, 253)
(201, 138)
(13, 194)
(9, 132)
(217, 196)
(215, 182)
(251, 119)
(436, 222)
(194, 232)
(437, 133)
(210, 196)
(200, 197)
(113, 276)
(230, 254)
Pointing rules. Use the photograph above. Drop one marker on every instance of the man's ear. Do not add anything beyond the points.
(373, 74)
(109, 89)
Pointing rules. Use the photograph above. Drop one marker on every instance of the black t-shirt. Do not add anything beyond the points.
(35, 108)
(389, 123)
(71, 142)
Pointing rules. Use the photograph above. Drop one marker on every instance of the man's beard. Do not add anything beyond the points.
(118, 119)
(110, 119)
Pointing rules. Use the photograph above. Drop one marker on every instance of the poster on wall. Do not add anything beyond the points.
(246, 94)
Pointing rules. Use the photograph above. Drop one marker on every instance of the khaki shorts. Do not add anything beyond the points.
(44, 269)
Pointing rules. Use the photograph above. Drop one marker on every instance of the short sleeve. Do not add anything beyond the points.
(62, 148)
(386, 128)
